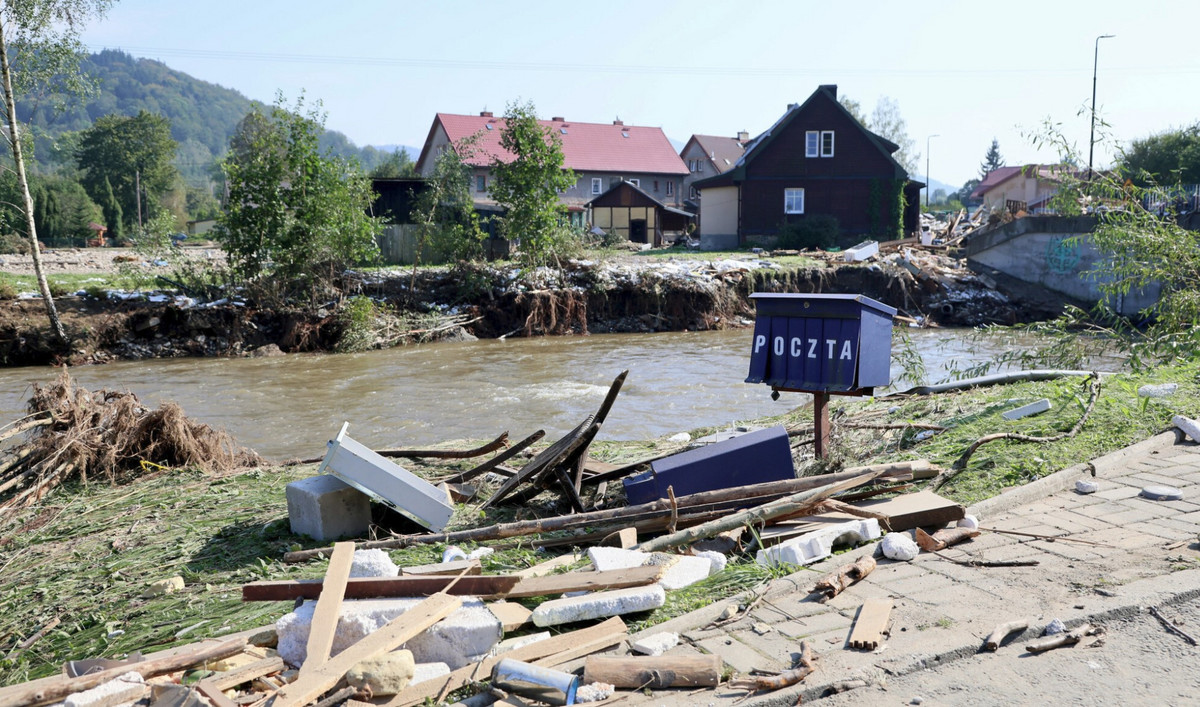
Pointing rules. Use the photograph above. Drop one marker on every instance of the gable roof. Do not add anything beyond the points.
(1041, 172)
(759, 144)
(993, 178)
(723, 152)
(626, 184)
(587, 147)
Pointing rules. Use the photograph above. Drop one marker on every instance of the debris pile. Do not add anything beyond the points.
(72, 433)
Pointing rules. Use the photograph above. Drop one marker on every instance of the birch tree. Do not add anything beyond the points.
(39, 56)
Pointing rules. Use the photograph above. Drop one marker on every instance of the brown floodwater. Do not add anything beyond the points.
(404, 397)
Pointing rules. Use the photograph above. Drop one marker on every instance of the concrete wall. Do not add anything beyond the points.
(719, 229)
(1053, 253)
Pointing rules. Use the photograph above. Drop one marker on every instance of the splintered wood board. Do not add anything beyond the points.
(512, 615)
(913, 510)
(871, 624)
(329, 606)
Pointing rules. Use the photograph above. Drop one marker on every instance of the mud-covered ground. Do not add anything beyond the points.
(612, 294)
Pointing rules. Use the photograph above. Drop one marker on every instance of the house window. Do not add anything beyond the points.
(699, 166)
(812, 143)
(827, 143)
(597, 185)
(655, 186)
(481, 182)
(636, 182)
(793, 201)
(670, 188)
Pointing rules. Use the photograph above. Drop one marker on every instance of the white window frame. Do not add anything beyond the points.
(790, 196)
(670, 188)
(812, 143)
(827, 134)
(635, 182)
(597, 185)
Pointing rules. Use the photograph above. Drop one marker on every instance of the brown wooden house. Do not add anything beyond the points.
(816, 159)
(629, 211)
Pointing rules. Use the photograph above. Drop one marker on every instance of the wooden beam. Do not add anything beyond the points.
(399, 630)
(613, 629)
(367, 587)
(632, 672)
(329, 607)
(512, 615)
(455, 568)
(871, 624)
(245, 673)
(585, 581)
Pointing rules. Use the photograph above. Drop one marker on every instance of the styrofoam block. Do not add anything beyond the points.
(373, 563)
(599, 604)
(469, 631)
(615, 558)
(818, 544)
(1190, 427)
(126, 688)
(716, 560)
(656, 644)
(682, 570)
(509, 644)
(428, 671)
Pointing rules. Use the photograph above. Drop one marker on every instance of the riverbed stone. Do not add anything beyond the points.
(385, 674)
(326, 508)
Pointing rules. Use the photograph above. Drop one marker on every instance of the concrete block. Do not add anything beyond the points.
(810, 547)
(656, 644)
(1033, 408)
(469, 631)
(599, 605)
(128, 688)
(428, 671)
(325, 508)
(379, 477)
(373, 563)
(615, 558)
(682, 570)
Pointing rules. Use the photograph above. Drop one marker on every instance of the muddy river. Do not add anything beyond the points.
(289, 406)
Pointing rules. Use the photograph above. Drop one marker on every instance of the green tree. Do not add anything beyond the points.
(39, 55)
(527, 187)
(292, 210)
(134, 155)
(992, 160)
(396, 164)
(1169, 157)
(112, 211)
(444, 212)
(964, 194)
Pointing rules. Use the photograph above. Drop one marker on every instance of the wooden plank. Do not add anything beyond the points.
(214, 695)
(400, 629)
(455, 568)
(550, 565)
(546, 458)
(329, 607)
(613, 628)
(871, 624)
(624, 538)
(632, 672)
(912, 510)
(512, 615)
(246, 673)
(585, 581)
(580, 650)
(497, 460)
(490, 585)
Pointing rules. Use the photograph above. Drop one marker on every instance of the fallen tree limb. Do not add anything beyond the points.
(495, 461)
(1067, 638)
(1048, 538)
(961, 463)
(784, 679)
(943, 538)
(1172, 627)
(989, 563)
(838, 580)
(1002, 631)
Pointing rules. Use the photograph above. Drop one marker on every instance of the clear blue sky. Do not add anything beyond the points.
(964, 71)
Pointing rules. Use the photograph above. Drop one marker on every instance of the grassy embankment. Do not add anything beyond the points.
(88, 553)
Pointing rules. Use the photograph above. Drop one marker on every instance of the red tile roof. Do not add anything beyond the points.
(587, 147)
(993, 178)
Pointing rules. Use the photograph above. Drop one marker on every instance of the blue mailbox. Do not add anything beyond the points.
(821, 343)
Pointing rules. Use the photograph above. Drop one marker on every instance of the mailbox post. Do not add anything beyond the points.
(821, 344)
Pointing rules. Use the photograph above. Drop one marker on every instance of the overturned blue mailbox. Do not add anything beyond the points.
(821, 343)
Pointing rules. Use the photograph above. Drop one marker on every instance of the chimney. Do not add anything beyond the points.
(485, 114)
(792, 106)
(558, 119)
(743, 136)
(618, 122)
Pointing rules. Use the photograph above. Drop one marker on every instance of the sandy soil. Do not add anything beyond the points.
(89, 260)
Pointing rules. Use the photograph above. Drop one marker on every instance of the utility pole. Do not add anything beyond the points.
(137, 193)
(1092, 139)
(928, 185)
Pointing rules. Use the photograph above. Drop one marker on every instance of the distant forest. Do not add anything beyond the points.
(202, 116)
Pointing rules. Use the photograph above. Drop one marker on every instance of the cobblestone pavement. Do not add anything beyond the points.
(1137, 553)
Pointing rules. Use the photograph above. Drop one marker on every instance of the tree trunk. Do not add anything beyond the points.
(10, 108)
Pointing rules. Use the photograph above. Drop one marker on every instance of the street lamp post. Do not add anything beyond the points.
(1092, 138)
(928, 185)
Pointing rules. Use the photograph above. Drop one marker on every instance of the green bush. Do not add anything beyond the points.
(818, 231)
(12, 244)
(7, 290)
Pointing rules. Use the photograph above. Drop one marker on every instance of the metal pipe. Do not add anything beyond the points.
(994, 379)
(544, 684)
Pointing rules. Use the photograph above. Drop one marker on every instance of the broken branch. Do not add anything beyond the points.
(1002, 631)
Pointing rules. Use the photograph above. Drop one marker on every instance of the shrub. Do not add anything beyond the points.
(818, 231)
(7, 290)
(12, 244)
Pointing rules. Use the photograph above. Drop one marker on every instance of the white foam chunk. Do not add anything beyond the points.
(615, 558)
(428, 671)
(126, 688)
(469, 631)
(656, 644)
(516, 642)
(682, 570)
(599, 605)
(818, 544)
(373, 563)
(716, 560)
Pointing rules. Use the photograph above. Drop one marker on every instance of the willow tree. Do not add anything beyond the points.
(39, 55)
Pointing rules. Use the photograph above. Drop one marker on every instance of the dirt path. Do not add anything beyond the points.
(62, 261)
